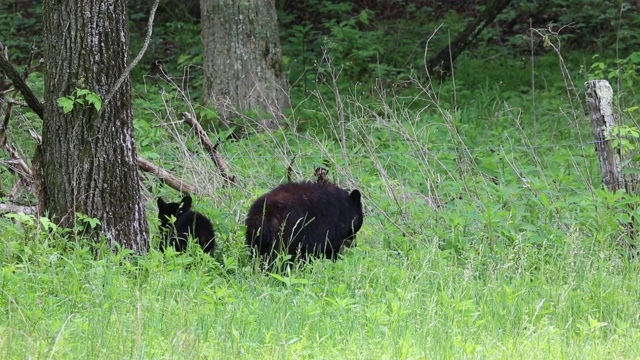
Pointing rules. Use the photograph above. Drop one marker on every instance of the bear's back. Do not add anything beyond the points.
(303, 218)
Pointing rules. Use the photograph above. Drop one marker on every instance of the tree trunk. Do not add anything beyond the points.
(89, 156)
(243, 60)
(600, 102)
(442, 63)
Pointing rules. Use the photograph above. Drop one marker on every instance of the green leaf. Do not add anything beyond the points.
(544, 199)
(95, 100)
(364, 17)
(485, 170)
(278, 277)
(66, 104)
(82, 92)
(183, 58)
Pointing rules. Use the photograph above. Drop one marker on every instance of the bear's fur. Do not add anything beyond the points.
(187, 224)
(304, 219)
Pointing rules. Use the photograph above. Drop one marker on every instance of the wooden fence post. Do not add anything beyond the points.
(600, 103)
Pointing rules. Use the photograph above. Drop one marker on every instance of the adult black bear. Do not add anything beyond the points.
(187, 224)
(303, 219)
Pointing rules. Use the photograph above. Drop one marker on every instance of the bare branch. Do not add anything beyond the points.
(35, 136)
(21, 85)
(16, 102)
(166, 177)
(8, 91)
(213, 152)
(290, 169)
(10, 208)
(18, 165)
(135, 61)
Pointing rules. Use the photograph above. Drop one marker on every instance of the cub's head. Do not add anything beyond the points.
(167, 210)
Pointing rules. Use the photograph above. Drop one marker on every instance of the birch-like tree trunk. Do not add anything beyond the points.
(89, 156)
(243, 60)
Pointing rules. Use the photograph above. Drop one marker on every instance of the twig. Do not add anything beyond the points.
(35, 136)
(18, 165)
(213, 152)
(166, 177)
(13, 101)
(135, 61)
(290, 168)
(8, 91)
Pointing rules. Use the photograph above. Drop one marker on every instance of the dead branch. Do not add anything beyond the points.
(290, 169)
(10, 208)
(166, 177)
(13, 101)
(137, 59)
(35, 136)
(17, 165)
(212, 149)
(21, 85)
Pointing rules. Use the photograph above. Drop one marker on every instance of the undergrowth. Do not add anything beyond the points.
(487, 234)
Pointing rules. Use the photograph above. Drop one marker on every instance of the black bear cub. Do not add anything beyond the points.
(187, 224)
(304, 219)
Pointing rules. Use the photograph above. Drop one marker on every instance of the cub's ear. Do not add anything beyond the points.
(185, 204)
(161, 203)
(355, 196)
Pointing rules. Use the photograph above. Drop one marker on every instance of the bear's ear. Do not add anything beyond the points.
(161, 204)
(355, 196)
(185, 204)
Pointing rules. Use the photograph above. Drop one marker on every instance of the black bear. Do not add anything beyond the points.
(187, 224)
(302, 219)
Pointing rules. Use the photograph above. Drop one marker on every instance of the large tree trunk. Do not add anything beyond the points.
(442, 63)
(89, 157)
(243, 60)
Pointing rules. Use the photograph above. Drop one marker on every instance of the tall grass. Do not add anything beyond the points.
(479, 242)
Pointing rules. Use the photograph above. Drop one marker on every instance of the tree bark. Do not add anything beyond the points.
(442, 63)
(600, 103)
(89, 158)
(243, 60)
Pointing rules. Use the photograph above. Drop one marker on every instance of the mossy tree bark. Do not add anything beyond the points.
(88, 156)
(243, 59)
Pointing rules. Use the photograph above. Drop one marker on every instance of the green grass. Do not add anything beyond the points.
(575, 301)
(522, 257)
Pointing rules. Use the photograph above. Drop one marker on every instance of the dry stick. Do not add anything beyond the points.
(18, 165)
(212, 149)
(9, 90)
(166, 177)
(10, 208)
(290, 168)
